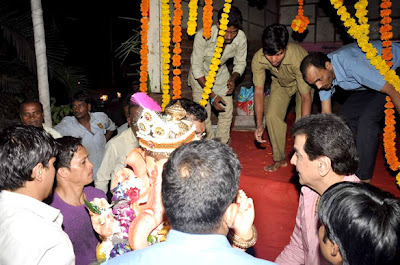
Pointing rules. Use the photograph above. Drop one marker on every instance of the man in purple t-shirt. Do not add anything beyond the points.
(74, 171)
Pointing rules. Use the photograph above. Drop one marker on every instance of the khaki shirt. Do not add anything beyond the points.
(287, 75)
(203, 52)
(114, 158)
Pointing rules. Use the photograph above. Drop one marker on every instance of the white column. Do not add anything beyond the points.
(154, 43)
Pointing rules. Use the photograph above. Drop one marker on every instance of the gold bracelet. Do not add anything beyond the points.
(240, 242)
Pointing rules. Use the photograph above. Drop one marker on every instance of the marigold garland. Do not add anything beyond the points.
(389, 136)
(144, 49)
(165, 53)
(360, 33)
(207, 18)
(176, 58)
(386, 32)
(215, 61)
(192, 21)
(300, 23)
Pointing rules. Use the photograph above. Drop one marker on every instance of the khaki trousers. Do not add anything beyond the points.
(275, 109)
(224, 117)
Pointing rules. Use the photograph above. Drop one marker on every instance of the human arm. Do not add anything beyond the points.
(64, 127)
(306, 102)
(61, 253)
(197, 58)
(304, 89)
(243, 223)
(217, 100)
(232, 83)
(326, 106)
(54, 246)
(393, 93)
(106, 168)
(259, 81)
(259, 112)
(239, 60)
(109, 134)
(293, 253)
(102, 121)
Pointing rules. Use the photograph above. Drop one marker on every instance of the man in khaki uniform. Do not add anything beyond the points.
(235, 46)
(283, 60)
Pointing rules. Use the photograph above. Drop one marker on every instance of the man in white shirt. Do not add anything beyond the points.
(31, 113)
(95, 128)
(31, 231)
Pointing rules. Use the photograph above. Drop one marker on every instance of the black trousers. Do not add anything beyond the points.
(364, 111)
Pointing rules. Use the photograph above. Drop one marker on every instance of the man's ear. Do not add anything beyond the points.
(335, 253)
(230, 214)
(324, 165)
(37, 172)
(328, 66)
(89, 106)
(63, 172)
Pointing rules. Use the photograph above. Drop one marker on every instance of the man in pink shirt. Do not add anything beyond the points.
(324, 154)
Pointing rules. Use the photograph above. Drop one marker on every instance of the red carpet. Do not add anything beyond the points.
(276, 194)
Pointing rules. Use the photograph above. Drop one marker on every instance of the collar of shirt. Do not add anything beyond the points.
(129, 136)
(17, 200)
(286, 61)
(214, 36)
(204, 241)
(338, 76)
(94, 123)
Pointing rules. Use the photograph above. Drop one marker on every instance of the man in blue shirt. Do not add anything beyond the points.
(364, 108)
(95, 128)
(200, 182)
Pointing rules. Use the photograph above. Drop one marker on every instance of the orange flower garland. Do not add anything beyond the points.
(144, 49)
(215, 61)
(386, 32)
(389, 136)
(389, 132)
(207, 18)
(176, 58)
(300, 23)
(360, 33)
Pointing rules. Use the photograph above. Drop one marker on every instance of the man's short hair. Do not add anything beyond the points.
(317, 59)
(68, 146)
(191, 107)
(275, 38)
(29, 101)
(329, 135)
(200, 181)
(22, 147)
(235, 17)
(363, 221)
(81, 96)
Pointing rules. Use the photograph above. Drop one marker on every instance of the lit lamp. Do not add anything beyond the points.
(104, 97)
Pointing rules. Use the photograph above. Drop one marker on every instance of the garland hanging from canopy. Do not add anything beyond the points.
(360, 31)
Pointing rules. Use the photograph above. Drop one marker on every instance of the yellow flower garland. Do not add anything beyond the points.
(215, 61)
(192, 21)
(360, 33)
(166, 57)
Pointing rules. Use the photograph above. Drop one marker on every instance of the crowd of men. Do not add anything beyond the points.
(340, 218)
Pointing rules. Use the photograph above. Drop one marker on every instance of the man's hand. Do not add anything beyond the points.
(258, 134)
(231, 87)
(244, 218)
(219, 103)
